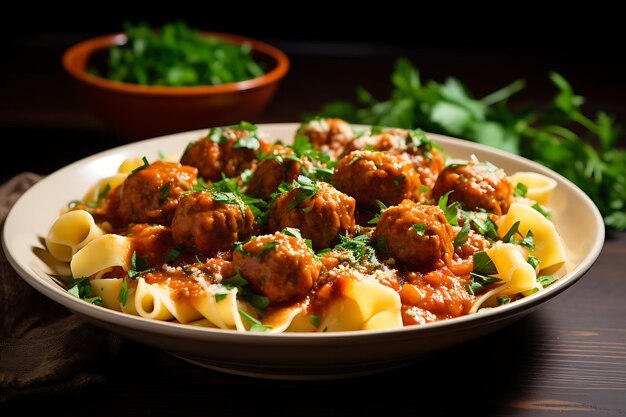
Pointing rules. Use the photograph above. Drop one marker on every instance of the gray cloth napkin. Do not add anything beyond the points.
(44, 348)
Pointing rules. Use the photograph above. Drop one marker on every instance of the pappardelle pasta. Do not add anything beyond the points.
(342, 230)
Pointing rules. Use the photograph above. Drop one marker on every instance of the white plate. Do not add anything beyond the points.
(295, 355)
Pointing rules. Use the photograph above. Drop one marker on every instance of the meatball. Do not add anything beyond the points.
(416, 234)
(209, 225)
(226, 150)
(328, 135)
(151, 194)
(369, 176)
(320, 218)
(410, 145)
(477, 185)
(278, 266)
(273, 170)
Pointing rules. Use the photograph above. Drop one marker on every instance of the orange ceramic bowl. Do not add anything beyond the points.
(137, 112)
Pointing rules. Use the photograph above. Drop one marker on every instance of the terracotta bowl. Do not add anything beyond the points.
(138, 112)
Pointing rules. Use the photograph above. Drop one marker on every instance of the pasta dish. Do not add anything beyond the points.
(340, 230)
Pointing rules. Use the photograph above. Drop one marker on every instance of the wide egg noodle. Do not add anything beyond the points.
(156, 302)
(516, 274)
(539, 186)
(549, 248)
(108, 289)
(71, 232)
(363, 304)
(94, 193)
(101, 256)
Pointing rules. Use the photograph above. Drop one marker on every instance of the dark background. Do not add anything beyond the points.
(332, 51)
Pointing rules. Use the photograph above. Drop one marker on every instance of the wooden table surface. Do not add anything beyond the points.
(567, 358)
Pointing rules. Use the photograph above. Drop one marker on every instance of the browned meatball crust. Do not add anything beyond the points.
(321, 218)
(369, 176)
(416, 234)
(151, 194)
(426, 159)
(273, 170)
(209, 225)
(477, 185)
(328, 135)
(224, 150)
(278, 266)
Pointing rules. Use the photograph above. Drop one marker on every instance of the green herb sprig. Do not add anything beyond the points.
(584, 149)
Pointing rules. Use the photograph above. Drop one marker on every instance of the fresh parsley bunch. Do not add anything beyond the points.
(583, 149)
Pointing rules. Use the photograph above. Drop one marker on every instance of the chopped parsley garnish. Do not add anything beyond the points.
(533, 261)
(138, 266)
(307, 189)
(146, 164)
(81, 288)
(219, 297)
(520, 190)
(484, 225)
(398, 180)
(376, 130)
(481, 275)
(174, 253)
(527, 241)
(266, 248)
(257, 326)
(503, 300)
(105, 191)
(315, 321)
(424, 189)
(546, 213)
(546, 280)
(376, 218)
(165, 191)
(419, 228)
(292, 231)
(359, 248)
(461, 238)
(451, 211)
(244, 292)
(509, 237)
(122, 296)
(229, 198)
(74, 203)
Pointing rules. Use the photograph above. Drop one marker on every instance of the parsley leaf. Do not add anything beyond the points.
(315, 321)
(419, 228)
(546, 280)
(463, 234)
(81, 288)
(398, 180)
(164, 191)
(257, 326)
(146, 164)
(546, 213)
(139, 266)
(520, 190)
(376, 218)
(122, 296)
(266, 247)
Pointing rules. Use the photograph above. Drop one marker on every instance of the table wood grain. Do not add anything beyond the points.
(567, 358)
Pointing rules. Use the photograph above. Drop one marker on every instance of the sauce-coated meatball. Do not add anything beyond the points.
(416, 234)
(321, 218)
(477, 185)
(328, 135)
(151, 194)
(224, 150)
(369, 176)
(209, 225)
(278, 266)
(410, 145)
(273, 170)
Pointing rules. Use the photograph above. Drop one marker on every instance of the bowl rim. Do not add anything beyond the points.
(75, 58)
